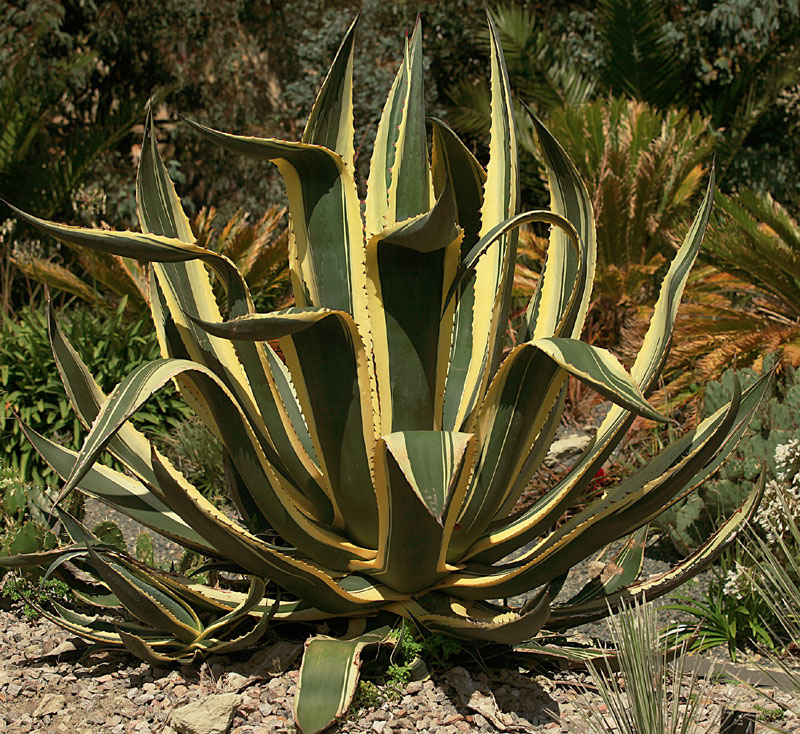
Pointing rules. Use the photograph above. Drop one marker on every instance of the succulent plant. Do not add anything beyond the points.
(373, 467)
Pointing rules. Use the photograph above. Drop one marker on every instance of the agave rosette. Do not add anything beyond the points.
(375, 464)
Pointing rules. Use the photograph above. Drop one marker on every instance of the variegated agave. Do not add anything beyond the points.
(375, 466)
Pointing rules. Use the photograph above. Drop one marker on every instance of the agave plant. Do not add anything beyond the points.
(373, 467)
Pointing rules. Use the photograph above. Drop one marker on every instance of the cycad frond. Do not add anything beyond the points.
(639, 61)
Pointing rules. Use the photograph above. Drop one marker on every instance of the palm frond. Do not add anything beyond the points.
(639, 61)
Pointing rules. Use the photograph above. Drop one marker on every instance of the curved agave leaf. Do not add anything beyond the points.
(329, 673)
(182, 292)
(479, 621)
(580, 609)
(551, 303)
(326, 237)
(484, 299)
(506, 535)
(329, 368)
(453, 165)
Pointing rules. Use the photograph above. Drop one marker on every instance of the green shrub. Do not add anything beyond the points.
(30, 384)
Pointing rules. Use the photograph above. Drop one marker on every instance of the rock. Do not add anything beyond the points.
(50, 703)
(235, 682)
(208, 715)
(276, 658)
(478, 697)
(566, 448)
(67, 648)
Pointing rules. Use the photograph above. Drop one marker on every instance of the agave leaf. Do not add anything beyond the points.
(552, 304)
(140, 246)
(126, 398)
(184, 292)
(421, 479)
(409, 268)
(295, 610)
(626, 507)
(480, 621)
(410, 187)
(143, 650)
(147, 602)
(620, 571)
(308, 581)
(326, 237)
(249, 638)
(254, 595)
(655, 347)
(535, 456)
(470, 260)
(284, 501)
(98, 624)
(572, 614)
(482, 299)
(39, 558)
(601, 370)
(87, 632)
(328, 678)
(399, 184)
(329, 368)
(505, 536)
(513, 425)
(119, 491)
(330, 123)
(455, 167)
(86, 397)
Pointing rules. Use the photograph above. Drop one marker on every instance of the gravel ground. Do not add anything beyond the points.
(49, 686)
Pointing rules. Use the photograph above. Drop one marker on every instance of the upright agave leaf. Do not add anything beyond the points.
(374, 462)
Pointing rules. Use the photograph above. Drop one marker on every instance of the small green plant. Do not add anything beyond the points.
(197, 453)
(769, 715)
(731, 614)
(413, 656)
(25, 522)
(649, 697)
(33, 594)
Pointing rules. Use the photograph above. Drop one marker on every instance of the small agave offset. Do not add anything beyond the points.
(374, 466)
